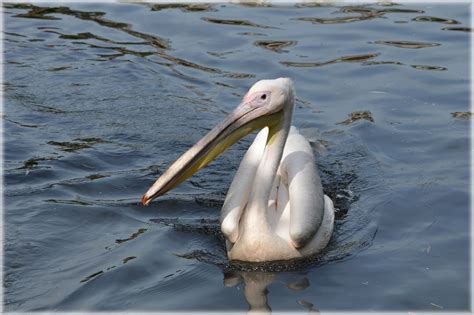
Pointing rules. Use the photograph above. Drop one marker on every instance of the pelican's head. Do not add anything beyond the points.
(275, 95)
(264, 105)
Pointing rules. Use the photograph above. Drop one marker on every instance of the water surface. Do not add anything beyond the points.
(100, 98)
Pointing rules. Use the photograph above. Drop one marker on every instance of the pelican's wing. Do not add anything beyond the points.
(239, 191)
(304, 188)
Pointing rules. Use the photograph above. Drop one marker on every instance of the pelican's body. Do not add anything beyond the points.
(295, 205)
(275, 208)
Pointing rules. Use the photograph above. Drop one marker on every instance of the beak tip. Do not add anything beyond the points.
(145, 200)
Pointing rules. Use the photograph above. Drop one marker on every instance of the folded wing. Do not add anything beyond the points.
(304, 187)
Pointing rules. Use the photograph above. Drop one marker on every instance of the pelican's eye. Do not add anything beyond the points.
(259, 98)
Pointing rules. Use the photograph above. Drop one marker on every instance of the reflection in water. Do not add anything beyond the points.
(92, 276)
(299, 285)
(355, 58)
(43, 13)
(88, 35)
(275, 45)
(463, 115)
(103, 271)
(131, 237)
(459, 29)
(160, 45)
(365, 13)
(355, 116)
(383, 62)
(435, 19)
(336, 20)
(256, 289)
(405, 44)
(252, 4)
(429, 68)
(78, 144)
(417, 67)
(234, 22)
(185, 7)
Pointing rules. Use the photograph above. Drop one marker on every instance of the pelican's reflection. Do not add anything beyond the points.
(256, 292)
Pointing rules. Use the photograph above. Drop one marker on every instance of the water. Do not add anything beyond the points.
(100, 98)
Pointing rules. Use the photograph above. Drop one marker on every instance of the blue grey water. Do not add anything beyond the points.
(100, 98)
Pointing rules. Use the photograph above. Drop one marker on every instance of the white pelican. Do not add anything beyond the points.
(275, 208)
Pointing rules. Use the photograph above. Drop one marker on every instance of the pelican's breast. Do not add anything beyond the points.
(258, 242)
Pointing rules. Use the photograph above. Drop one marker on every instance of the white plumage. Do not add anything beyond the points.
(295, 204)
(275, 208)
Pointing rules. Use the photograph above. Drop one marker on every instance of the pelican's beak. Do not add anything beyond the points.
(242, 121)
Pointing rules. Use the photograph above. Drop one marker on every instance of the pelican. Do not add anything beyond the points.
(275, 208)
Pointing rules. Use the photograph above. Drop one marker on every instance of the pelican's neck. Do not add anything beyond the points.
(268, 167)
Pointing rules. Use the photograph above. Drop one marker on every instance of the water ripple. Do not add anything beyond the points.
(405, 44)
(194, 7)
(458, 29)
(99, 98)
(275, 45)
(41, 13)
(354, 58)
(426, 18)
(151, 40)
(234, 22)
(365, 13)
